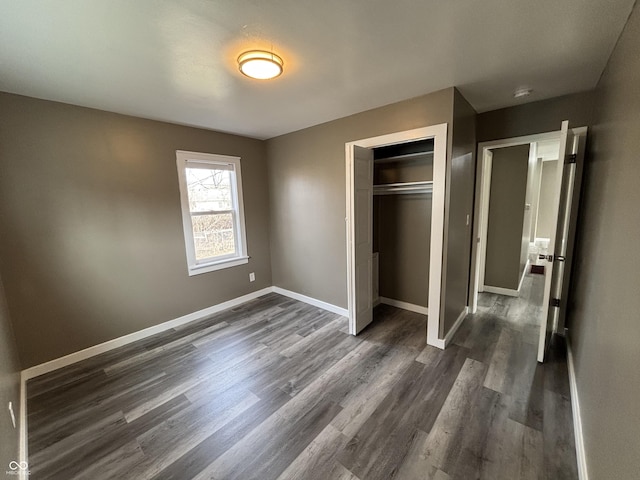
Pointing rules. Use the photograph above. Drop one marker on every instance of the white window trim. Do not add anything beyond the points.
(241, 257)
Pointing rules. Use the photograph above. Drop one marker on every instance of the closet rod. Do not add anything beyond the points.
(415, 191)
(421, 183)
(403, 188)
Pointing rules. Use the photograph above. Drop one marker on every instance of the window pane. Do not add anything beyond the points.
(213, 235)
(209, 189)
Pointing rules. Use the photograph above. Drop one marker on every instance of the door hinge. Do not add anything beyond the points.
(555, 302)
(572, 158)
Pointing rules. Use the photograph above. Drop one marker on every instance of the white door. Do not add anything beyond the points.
(484, 220)
(554, 271)
(362, 238)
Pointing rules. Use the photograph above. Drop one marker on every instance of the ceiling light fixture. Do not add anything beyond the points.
(260, 64)
(522, 92)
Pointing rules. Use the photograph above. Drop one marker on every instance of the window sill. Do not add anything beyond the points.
(219, 265)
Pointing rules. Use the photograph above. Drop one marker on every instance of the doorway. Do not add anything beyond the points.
(535, 255)
(359, 156)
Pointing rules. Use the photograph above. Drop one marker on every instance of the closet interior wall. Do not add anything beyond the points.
(402, 221)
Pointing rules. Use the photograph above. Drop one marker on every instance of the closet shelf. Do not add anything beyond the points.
(404, 157)
(403, 188)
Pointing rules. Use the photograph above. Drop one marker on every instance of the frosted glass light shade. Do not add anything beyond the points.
(260, 64)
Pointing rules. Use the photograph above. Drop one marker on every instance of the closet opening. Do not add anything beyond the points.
(395, 225)
(402, 190)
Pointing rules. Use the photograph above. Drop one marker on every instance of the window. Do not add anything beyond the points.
(212, 212)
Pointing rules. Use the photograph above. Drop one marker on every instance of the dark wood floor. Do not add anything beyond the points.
(277, 389)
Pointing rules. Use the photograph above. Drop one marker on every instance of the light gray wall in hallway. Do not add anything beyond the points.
(603, 317)
(307, 179)
(9, 387)
(461, 170)
(506, 216)
(536, 178)
(536, 117)
(545, 217)
(91, 239)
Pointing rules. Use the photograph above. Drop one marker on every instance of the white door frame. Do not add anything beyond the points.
(439, 134)
(483, 219)
(481, 209)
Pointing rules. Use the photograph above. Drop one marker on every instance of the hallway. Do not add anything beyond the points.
(531, 400)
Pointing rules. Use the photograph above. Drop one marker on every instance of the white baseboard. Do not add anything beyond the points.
(456, 325)
(577, 418)
(311, 301)
(405, 305)
(135, 336)
(442, 343)
(501, 291)
(524, 273)
(94, 350)
(23, 448)
(508, 291)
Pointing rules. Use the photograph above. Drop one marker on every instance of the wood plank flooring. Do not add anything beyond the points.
(276, 389)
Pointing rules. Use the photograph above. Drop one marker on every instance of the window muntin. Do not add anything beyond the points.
(213, 219)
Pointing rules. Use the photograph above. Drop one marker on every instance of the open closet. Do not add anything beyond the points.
(395, 225)
(402, 204)
(411, 192)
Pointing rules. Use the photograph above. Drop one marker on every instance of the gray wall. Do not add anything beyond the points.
(91, 240)
(461, 170)
(545, 210)
(402, 232)
(506, 217)
(603, 318)
(403, 224)
(536, 117)
(9, 387)
(307, 178)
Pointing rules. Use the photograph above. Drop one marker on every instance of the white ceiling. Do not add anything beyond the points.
(175, 60)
